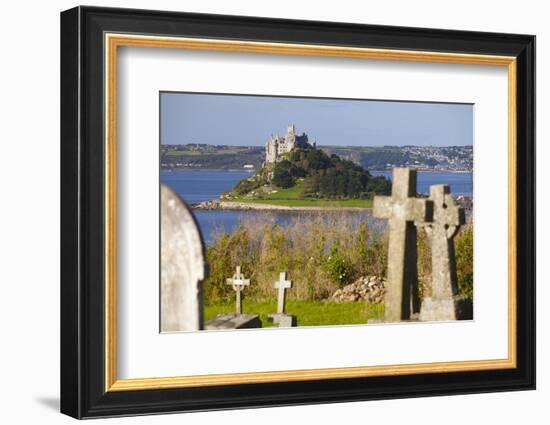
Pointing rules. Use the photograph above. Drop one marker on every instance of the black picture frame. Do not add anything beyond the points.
(83, 392)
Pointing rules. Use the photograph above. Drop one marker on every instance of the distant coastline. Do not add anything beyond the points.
(215, 157)
(248, 170)
(425, 170)
(225, 170)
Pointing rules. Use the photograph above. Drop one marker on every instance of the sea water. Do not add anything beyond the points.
(202, 185)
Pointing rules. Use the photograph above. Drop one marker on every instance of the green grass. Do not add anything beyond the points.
(183, 153)
(197, 152)
(344, 203)
(309, 313)
(293, 192)
(291, 197)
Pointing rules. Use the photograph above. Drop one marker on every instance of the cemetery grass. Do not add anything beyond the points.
(309, 313)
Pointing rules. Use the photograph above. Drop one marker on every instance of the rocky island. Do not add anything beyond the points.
(297, 175)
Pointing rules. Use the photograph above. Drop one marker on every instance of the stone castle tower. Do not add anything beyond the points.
(276, 145)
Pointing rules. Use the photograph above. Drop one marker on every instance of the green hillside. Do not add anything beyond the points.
(311, 177)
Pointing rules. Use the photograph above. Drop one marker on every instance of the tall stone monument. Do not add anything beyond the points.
(402, 210)
(281, 318)
(443, 302)
(183, 266)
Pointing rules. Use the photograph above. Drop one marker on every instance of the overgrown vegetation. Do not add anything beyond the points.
(321, 253)
(464, 251)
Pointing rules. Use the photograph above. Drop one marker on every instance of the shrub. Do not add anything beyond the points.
(368, 253)
(379, 185)
(282, 178)
(464, 251)
(224, 256)
(247, 185)
(464, 262)
(335, 265)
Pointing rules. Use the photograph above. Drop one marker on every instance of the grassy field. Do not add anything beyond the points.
(309, 313)
(195, 152)
(291, 197)
(345, 203)
(182, 153)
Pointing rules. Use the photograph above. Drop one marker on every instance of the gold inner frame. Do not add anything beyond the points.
(113, 41)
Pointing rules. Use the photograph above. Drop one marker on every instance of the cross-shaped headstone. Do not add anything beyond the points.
(282, 284)
(402, 209)
(447, 219)
(238, 282)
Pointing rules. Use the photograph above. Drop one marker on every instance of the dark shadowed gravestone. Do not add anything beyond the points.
(444, 302)
(236, 320)
(183, 266)
(402, 210)
(233, 321)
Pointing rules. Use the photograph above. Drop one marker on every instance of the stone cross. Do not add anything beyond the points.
(402, 209)
(282, 284)
(238, 282)
(183, 266)
(447, 219)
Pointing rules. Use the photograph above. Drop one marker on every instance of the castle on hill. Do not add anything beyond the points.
(278, 145)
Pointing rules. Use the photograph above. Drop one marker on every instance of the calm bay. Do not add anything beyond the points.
(202, 185)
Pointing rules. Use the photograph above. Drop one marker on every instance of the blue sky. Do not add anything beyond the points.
(250, 120)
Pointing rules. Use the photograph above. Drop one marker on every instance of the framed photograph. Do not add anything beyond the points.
(261, 212)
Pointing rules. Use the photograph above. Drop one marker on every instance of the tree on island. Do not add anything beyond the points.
(283, 174)
(320, 175)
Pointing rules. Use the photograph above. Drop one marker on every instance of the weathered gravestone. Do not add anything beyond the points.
(402, 210)
(444, 302)
(238, 282)
(183, 266)
(236, 320)
(233, 321)
(281, 318)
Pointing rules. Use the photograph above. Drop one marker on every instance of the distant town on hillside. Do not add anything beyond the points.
(226, 157)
